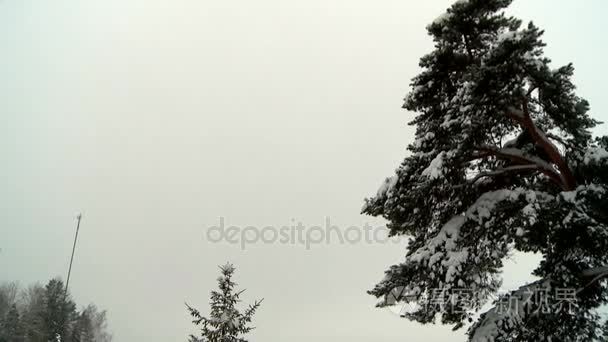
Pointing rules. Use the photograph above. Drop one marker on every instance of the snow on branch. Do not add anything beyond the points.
(524, 118)
(595, 155)
(444, 251)
(519, 156)
(502, 171)
(434, 170)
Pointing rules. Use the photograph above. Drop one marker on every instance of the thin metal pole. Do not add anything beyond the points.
(67, 283)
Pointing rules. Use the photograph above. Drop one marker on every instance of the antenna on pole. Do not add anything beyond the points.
(67, 283)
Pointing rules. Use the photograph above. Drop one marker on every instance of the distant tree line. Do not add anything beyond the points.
(46, 313)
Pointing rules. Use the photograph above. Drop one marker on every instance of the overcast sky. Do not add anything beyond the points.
(157, 117)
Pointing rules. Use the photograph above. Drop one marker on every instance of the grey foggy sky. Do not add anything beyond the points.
(156, 117)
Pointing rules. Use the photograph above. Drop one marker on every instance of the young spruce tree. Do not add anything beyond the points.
(503, 161)
(225, 323)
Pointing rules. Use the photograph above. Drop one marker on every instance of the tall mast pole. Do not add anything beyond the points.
(67, 283)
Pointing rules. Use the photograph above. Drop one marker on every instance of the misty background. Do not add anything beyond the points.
(156, 117)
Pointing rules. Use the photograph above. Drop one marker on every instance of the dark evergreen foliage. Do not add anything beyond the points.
(504, 160)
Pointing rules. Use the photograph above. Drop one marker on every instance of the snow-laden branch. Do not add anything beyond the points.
(522, 158)
(502, 171)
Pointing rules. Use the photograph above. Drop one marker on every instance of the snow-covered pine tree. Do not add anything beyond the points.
(503, 161)
(225, 323)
